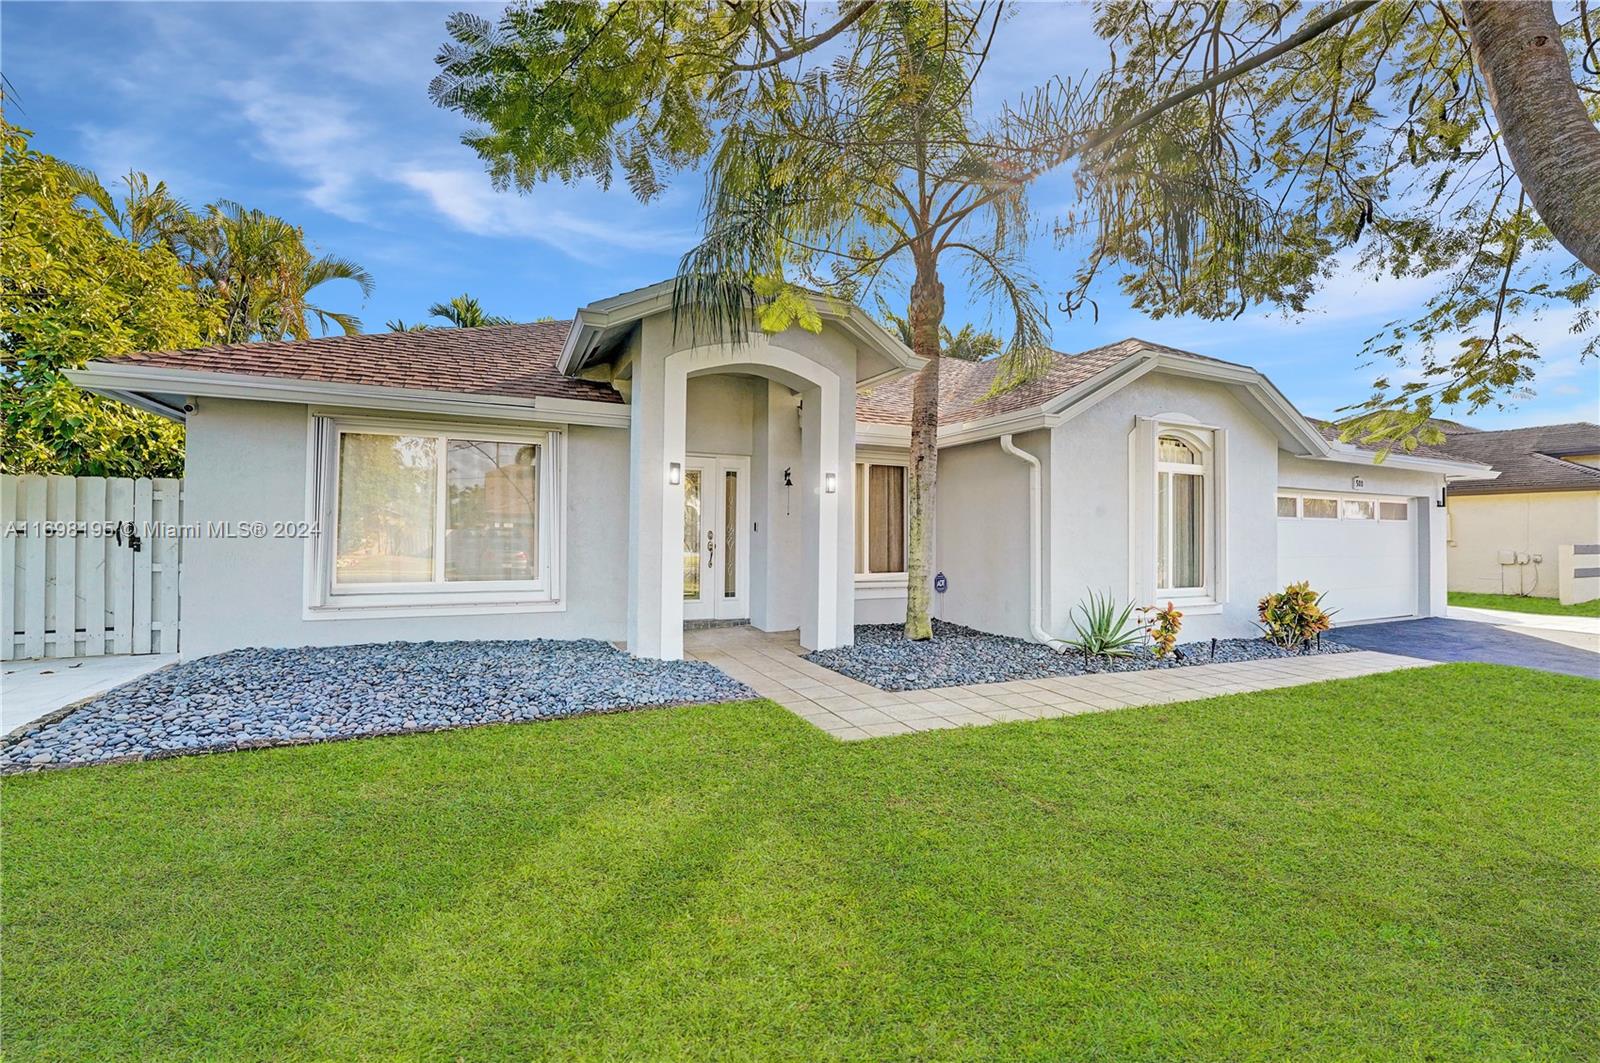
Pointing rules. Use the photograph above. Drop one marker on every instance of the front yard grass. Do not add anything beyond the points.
(1518, 603)
(1404, 865)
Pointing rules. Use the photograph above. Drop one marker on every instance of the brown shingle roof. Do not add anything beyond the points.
(1529, 459)
(1330, 432)
(507, 360)
(964, 385)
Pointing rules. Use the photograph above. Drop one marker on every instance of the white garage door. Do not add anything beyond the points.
(1361, 550)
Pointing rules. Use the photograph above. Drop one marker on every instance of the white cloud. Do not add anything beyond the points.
(313, 136)
(468, 200)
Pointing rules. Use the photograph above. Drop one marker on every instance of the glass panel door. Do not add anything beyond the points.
(716, 556)
(730, 529)
(692, 560)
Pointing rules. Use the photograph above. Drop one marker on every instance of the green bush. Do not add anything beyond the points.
(1293, 616)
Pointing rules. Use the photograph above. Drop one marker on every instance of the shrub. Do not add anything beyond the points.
(1102, 630)
(1163, 627)
(1293, 616)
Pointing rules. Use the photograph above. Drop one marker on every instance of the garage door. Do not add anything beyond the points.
(1361, 550)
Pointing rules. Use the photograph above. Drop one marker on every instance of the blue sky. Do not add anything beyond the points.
(319, 113)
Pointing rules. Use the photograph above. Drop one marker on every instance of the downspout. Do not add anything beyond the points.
(1035, 546)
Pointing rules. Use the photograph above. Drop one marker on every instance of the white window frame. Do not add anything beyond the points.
(1201, 441)
(1341, 504)
(1144, 511)
(326, 597)
(895, 580)
(1290, 498)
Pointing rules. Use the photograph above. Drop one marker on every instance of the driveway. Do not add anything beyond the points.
(1438, 639)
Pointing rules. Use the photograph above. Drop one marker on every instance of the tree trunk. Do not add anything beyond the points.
(1553, 145)
(925, 316)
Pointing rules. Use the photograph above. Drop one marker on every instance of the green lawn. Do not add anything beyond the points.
(1520, 604)
(1405, 865)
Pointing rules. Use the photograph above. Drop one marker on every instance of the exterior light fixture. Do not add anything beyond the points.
(674, 474)
(830, 483)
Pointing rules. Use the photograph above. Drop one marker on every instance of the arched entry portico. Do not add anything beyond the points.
(656, 527)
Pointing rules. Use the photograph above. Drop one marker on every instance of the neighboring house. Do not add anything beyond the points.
(1505, 534)
(609, 477)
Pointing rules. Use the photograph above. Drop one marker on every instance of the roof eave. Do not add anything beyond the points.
(145, 385)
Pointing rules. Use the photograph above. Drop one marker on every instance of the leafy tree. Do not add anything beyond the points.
(1419, 139)
(839, 177)
(253, 267)
(464, 312)
(258, 270)
(75, 291)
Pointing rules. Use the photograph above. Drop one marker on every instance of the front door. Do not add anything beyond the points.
(716, 552)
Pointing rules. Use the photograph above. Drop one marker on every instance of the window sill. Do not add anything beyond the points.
(881, 586)
(1205, 606)
(344, 609)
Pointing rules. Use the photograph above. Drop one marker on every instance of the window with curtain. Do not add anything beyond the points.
(1183, 501)
(880, 519)
(427, 511)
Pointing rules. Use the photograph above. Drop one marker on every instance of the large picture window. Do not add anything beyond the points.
(1183, 507)
(418, 516)
(880, 519)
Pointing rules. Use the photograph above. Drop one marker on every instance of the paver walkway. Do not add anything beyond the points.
(771, 665)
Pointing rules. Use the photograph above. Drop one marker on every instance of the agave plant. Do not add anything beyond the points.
(1103, 629)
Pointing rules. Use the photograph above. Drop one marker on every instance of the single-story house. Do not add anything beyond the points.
(1506, 534)
(608, 477)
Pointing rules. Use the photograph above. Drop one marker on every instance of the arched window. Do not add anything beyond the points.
(1183, 511)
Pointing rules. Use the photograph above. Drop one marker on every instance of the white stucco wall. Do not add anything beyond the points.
(721, 414)
(1528, 523)
(775, 509)
(1089, 532)
(982, 542)
(247, 461)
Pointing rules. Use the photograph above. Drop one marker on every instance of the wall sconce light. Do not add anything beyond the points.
(830, 483)
(674, 474)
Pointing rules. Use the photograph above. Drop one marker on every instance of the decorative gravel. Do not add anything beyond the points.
(956, 656)
(272, 697)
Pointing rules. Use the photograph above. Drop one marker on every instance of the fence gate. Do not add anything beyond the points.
(90, 566)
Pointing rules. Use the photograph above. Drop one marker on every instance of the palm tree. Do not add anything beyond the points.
(399, 325)
(253, 267)
(258, 269)
(147, 216)
(464, 312)
(968, 345)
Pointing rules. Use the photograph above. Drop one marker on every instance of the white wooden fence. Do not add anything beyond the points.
(90, 565)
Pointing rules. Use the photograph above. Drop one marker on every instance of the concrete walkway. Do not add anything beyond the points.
(1438, 638)
(1582, 632)
(771, 665)
(33, 689)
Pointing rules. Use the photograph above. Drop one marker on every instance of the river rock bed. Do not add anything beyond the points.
(268, 697)
(957, 656)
